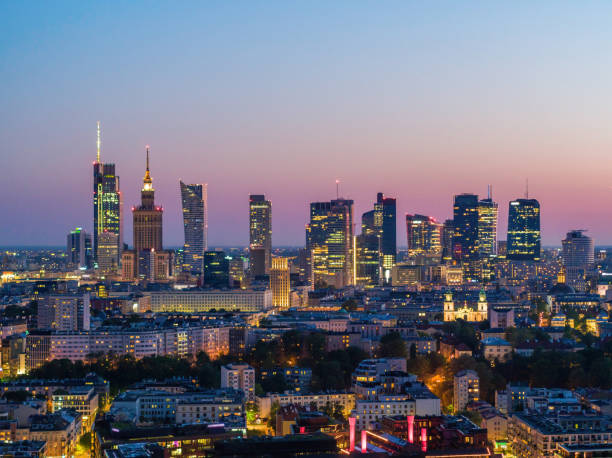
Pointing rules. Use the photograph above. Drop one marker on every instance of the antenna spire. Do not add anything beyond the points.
(98, 145)
(526, 188)
(337, 189)
(147, 158)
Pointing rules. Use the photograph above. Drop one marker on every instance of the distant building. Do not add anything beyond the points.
(196, 301)
(239, 377)
(487, 227)
(260, 234)
(329, 239)
(465, 239)
(523, 242)
(216, 269)
(149, 260)
(466, 389)
(280, 283)
(578, 257)
(64, 313)
(108, 252)
(424, 235)
(79, 249)
(107, 202)
(195, 223)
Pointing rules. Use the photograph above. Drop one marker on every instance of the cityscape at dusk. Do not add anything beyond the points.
(305, 229)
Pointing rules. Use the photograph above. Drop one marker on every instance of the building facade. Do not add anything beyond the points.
(195, 223)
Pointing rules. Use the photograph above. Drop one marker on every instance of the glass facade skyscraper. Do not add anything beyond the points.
(107, 202)
(195, 223)
(386, 207)
(260, 234)
(368, 246)
(424, 235)
(487, 228)
(329, 239)
(524, 230)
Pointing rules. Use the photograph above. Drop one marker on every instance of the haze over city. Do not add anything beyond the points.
(420, 101)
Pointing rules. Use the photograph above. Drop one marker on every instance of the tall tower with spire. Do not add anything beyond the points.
(107, 207)
(147, 217)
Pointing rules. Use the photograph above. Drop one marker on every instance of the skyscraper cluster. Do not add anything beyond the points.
(334, 255)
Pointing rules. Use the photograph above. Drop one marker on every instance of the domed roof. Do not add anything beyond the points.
(561, 288)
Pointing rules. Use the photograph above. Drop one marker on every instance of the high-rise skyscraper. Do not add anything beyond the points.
(107, 202)
(447, 234)
(148, 260)
(424, 235)
(78, 247)
(280, 283)
(578, 257)
(368, 250)
(147, 217)
(386, 206)
(329, 239)
(523, 242)
(465, 239)
(260, 234)
(107, 253)
(195, 222)
(487, 227)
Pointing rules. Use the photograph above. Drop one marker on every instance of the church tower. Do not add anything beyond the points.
(482, 312)
(449, 306)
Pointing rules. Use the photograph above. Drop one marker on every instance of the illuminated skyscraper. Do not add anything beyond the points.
(465, 239)
(107, 202)
(280, 282)
(578, 257)
(523, 230)
(386, 206)
(329, 239)
(447, 234)
(260, 234)
(148, 260)
(107, 253)
(368, 255)
(147, 217)
(424, 235)
(487, 227)
(195, 222)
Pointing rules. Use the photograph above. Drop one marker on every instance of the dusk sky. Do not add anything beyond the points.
(420, 101)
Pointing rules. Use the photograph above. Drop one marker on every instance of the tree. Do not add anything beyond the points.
(392, 345)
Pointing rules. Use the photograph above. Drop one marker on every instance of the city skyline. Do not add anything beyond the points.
(252, 118)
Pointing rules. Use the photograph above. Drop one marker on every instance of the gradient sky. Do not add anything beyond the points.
(420, 100)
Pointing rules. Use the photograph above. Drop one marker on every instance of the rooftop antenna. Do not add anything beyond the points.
(526, 188)
(489, 191)
(337, 189)
(98, 145)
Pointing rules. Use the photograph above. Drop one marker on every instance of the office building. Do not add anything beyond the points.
(107, 202)
(260, 234)
(280, 283)
(216, 269)
(79, 249)
(239, 377)
(385, 208)
(446, 237)
(487, 227)
(465, 238)
(368, 250)
(108, 252)
(329, 239)
(578, 256)
(466, 389)
(195, 223)
(523, 243)
(424, 236)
